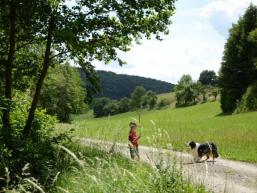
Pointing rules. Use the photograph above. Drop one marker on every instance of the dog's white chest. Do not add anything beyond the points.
(194, 153)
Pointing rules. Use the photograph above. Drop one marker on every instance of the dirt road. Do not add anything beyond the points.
(222, 176)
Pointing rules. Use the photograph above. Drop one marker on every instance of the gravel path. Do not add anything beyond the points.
(221, 176)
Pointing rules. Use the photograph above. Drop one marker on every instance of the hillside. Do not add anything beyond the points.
(117, 86)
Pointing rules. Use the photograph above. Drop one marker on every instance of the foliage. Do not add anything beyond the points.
(186, 91)
(111, 108)
(136, 97)
(99, 105)
(253, 36)
(118, 86)
(238, 69)
(163, 103)
(189, 92)
(149, 100)
(124, 105)
(104, 106)
(140, 99)
(208, 77)
(37, 152)
(63, 93)
(249, 100)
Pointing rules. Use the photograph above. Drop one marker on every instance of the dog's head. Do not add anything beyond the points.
(191, 144)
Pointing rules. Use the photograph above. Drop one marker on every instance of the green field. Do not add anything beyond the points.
(171, 97)
(235, 135)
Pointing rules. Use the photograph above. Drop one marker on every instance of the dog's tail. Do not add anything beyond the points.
(214, 150)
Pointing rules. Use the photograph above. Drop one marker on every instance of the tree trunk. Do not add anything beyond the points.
(27, 129)
(8, 74)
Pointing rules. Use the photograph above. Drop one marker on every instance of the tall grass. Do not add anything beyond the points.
(235, 135)
(104, 172)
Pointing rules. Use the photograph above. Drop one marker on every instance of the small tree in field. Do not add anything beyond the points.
(124, 105)
(149, 100)
(187, 91)
(137, 96)
(184, 91)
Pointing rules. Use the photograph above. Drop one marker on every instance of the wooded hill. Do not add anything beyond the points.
(117, 86)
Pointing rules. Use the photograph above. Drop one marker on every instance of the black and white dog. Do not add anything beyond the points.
(198, 151)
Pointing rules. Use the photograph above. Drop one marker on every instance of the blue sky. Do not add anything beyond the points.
(195, 43)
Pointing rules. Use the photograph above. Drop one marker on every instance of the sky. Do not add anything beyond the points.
(195, 43)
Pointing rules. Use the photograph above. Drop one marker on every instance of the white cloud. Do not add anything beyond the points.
(222, 13)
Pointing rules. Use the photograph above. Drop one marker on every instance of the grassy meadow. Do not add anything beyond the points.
(171, 97)
(96, 171)
(235, 135)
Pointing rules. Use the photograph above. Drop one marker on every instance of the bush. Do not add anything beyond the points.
(163, 103)
(249, 100)
(37, 152)
(98, 106)
(124, 105)
(149, 100)
(112, 108)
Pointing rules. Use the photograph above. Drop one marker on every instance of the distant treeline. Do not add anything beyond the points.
(118, 86)
(140, 98)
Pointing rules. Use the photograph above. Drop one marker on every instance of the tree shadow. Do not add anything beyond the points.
(190, 163)
(223, 114)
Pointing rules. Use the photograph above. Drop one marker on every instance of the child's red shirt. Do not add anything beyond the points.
(133, 138)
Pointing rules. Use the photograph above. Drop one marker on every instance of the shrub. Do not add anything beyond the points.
(249, 100)
(124, 105)
(163, 103)
(98, 106)
(38, 151)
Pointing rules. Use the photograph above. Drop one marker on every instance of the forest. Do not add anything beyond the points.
(117, 86)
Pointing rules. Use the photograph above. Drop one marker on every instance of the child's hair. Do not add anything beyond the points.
(132, 124)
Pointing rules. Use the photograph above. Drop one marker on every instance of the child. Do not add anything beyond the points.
(133, 138)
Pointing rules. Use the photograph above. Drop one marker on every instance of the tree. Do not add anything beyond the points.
(186, 91)
(105, 107)
(98, 106)
(124, 105)
(137, 95)
(63, 92)
(87, 31)
(253, 38)
(238, 69)
(84, 32)
(152, 99)
(149, 100)
(20, 23)
(208, 77)
(101, 29)
(111, 108)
